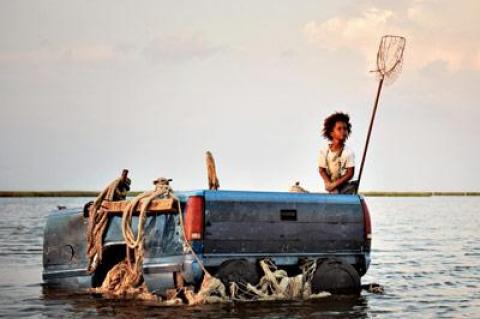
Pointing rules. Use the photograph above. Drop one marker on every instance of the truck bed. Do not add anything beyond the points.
(282, 223)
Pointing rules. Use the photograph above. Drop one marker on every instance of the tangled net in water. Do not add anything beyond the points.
(274, 285)
(277, 285)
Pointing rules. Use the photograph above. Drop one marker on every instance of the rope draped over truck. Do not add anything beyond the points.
(98, 218)
(97, 222)
(125, 279)
(127, 276)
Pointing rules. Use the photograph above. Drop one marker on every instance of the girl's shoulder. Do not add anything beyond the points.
(324, 149)
(347, 151)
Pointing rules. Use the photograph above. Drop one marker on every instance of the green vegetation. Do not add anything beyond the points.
(54, 193)
(397, 194)
(94, 194)
(419, 194)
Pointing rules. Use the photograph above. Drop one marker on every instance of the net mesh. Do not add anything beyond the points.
(390, 57)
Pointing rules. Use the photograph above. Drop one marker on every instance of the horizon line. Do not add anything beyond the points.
(76, 193)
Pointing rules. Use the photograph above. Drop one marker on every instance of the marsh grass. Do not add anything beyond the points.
(94, 194)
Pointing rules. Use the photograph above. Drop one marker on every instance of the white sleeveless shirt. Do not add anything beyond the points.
(336, 163)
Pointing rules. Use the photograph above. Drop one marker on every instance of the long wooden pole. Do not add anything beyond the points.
(379, 90)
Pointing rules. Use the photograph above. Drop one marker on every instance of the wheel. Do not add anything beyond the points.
(336, 277)
(239, 271)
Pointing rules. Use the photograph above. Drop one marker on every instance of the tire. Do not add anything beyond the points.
(336, 277)
(239, 271)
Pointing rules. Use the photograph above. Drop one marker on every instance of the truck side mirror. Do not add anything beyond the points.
(86, 209)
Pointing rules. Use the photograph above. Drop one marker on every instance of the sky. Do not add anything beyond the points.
(88, 88)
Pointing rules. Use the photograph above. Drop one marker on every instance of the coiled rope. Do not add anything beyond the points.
(127, 276)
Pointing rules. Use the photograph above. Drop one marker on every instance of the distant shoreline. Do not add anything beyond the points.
(94, 194)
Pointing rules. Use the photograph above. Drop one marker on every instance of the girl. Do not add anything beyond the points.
(336, 161)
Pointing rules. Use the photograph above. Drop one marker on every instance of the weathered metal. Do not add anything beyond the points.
(285, 227)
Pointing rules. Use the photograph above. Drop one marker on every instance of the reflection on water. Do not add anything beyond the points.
(426, 253)
(87, 305)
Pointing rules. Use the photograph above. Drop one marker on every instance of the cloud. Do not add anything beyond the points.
(161, 49)
(179, 48)
(70, 54)
(436, 31)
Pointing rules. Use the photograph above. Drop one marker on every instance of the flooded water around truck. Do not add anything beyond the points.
(425, 252)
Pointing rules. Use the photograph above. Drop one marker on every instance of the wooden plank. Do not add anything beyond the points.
(156, 206)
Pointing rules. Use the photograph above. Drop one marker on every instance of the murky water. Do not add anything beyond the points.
(426, 252)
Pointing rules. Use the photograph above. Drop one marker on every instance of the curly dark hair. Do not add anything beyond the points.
(330, 121)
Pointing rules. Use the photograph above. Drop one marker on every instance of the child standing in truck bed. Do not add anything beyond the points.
(336, 161)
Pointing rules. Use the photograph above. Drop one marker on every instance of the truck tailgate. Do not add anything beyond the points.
(277, 223)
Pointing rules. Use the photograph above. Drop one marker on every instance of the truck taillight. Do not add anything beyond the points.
(194, 218)
(366, 220)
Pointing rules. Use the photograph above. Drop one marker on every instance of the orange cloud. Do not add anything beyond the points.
(436, 31)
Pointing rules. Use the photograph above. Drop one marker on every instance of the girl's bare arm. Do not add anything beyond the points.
(345, 178)
(325, 177)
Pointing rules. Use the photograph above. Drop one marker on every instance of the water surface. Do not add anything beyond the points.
(426, 252)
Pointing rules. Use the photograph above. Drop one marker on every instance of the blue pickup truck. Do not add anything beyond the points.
(229, 230)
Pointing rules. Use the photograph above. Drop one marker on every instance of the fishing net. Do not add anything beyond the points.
(390, 57)
(277, 285)
(389, 66)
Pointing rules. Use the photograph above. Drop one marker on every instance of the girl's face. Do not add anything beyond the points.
(340, 131)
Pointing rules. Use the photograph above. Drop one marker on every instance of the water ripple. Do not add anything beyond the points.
(426, 252)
